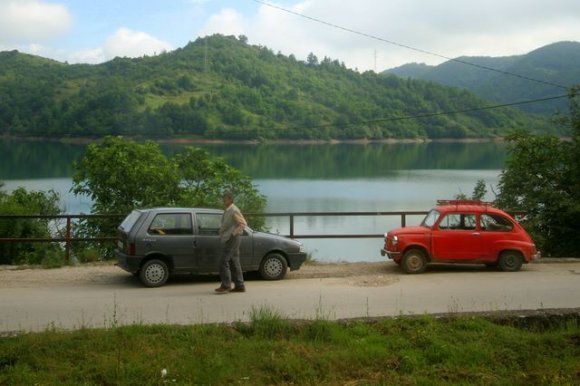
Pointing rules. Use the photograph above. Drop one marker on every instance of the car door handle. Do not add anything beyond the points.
(476, 234)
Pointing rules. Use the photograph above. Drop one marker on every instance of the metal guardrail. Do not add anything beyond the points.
(68, 238)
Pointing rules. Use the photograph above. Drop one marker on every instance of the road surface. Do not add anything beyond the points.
(105, 296)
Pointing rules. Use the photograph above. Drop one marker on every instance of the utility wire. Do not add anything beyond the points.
(428, 115)
(407, 46)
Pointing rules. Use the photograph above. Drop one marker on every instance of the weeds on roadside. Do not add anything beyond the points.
(270, 349)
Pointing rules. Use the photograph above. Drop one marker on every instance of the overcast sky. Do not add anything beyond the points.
(85, 31)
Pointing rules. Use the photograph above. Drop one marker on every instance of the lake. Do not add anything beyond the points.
(304, 178)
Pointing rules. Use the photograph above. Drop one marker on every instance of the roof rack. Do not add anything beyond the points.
(464, 202)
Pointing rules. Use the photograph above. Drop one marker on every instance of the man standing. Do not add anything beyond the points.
(233, 223)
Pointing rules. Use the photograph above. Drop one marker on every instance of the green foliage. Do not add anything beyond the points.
(273, 350)
(23, 202)
(222, 87)
(120, 175)
(204, 179)
(542, 178)
(479, 192)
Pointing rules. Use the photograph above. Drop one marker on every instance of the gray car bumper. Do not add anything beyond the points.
(295, 260)
(130, 264)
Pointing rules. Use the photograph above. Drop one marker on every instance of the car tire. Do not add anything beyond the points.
(154, 273)
(414, 261)
(510, 261)
(273, 267)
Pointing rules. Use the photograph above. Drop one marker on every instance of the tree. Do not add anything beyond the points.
(22, 202)
(542, 178)
(205, 178)
(479, 192)
(120, 175)
(312, 59)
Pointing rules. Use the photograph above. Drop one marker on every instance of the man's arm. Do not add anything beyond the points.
(241, 221)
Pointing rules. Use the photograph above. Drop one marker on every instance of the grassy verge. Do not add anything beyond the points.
(272, 350)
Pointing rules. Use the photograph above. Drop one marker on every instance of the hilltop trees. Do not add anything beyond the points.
(222, 87)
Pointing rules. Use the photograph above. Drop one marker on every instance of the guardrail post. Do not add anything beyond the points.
(67, 237)
(403, 220)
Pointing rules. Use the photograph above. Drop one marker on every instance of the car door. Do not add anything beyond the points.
(172, 235)
(494, 229)
(208, 245)
(456, 237)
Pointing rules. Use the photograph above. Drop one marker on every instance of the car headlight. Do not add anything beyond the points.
(301, 250)
(395, 241)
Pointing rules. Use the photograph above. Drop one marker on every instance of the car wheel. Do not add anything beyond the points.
(414, 261)
(510, 261)
(273, 267)
(154, 273)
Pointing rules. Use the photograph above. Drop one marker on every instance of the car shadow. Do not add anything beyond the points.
(186, 279)
(447, 268)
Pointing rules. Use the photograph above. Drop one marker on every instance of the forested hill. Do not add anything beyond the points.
(554, 63)
(222, 87)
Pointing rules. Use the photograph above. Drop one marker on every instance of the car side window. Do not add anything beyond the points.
(208, 223)
(495, 223)
(171, 224)
(458, 221)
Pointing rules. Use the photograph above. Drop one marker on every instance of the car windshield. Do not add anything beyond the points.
(430, 219)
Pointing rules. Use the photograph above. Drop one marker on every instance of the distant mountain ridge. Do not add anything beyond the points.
(557, 63)
(221, 87)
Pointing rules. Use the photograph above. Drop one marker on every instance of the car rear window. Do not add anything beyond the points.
(495, 223)
(130, 220)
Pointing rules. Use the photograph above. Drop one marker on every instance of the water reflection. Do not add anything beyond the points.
(36, 159)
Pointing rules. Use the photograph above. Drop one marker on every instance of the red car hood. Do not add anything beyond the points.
(416, 230)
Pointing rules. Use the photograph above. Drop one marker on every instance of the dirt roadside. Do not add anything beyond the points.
(364, 274)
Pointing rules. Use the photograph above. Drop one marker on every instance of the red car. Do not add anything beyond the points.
(461, 231)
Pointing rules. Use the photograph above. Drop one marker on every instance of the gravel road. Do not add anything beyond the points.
(103, 295)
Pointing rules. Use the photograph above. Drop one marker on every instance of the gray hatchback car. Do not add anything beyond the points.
(154, 243)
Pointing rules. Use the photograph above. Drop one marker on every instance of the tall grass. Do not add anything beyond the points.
(273, 350)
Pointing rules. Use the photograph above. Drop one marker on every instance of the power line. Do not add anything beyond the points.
(407, 46)
(429, 115)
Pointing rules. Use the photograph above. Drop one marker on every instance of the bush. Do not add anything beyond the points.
(23, 202)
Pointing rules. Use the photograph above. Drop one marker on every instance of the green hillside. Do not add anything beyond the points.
(555, 63)
(222, 87)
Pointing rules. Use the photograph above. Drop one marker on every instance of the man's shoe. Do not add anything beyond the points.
(239, 289)
(222, 290)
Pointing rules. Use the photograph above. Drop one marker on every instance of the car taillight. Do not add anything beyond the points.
(131, 249)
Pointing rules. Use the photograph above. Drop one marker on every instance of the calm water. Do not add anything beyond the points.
(304, 178)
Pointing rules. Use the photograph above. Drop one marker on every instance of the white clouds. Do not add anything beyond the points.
(31, 21)
(123, 43)
(227, 22)
(126, 42)
(447, 27)
(79, 31)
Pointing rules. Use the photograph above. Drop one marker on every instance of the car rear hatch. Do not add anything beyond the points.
(124, 243)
